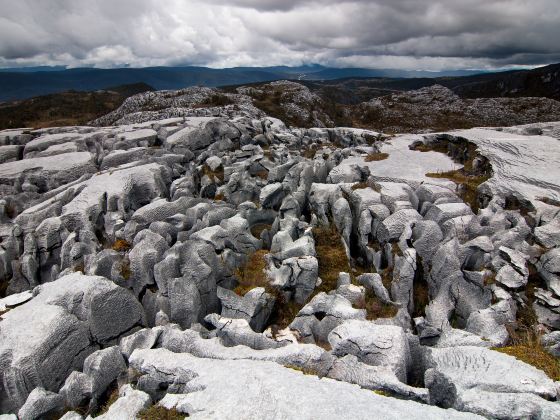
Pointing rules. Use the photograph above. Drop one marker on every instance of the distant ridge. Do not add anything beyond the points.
(29, 82)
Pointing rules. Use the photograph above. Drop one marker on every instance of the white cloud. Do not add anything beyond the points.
(407, 34)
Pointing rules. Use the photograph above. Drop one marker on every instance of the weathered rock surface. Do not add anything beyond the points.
(43, 340)
(461, 377)
(219, 243)
(232, 389)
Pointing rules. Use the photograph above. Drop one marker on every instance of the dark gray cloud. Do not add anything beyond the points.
(433, 35)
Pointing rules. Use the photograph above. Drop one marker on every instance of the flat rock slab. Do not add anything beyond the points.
(225, 389)
(525, 165)
(488, 370)
(405, 165)
(72, 165)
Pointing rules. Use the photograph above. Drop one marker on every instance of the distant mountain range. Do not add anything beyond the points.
(539, 82)
(21, 83)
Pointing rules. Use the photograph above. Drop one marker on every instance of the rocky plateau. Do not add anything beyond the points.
(191, 254)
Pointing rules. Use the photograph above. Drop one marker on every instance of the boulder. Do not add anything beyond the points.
(297, 277)
(319, 317)
(103, 367)
(272, 195)
(426, 237)
(551, 342)
(187, 279)
(143, 339)
(548, 235)
(372, 282)
(128, 405)
(393, 226)
(148, 250)
(469, 377)
(255, 307)
(45, 339)
(549, 268)
(375, 345)
(306, 356)
(490, 323)
(441, 213)
(377, 378)
(47, 173)
(40, 404)
(234, 332)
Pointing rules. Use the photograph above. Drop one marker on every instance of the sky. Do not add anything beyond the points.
(404, 34)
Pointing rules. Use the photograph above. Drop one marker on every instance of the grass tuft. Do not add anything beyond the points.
(525, 343)
(375, 308)
(157, 412)
(374, 157)
(304, 370)
(252, 274)
(331, 256)
(125, 269)
(113, 396)
(262, 174)
(309, 153)
(257, 230)
(359, 186)
(532, 352)
(469, 184)
(121, 245)
(382, 393)
(218, 174)
(490, 279)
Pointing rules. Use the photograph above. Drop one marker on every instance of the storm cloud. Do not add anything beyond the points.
(408, 34)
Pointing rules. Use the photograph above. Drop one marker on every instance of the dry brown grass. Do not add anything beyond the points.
(120, 245)
(531, 352)
(218, 174)
(396, 249)
(359, 186)
(421, 297)
(525, 342)
(252, 274)
(80, 268)
(469, 184)
(304, 370)
(375, 308)
(283, 314)
(157, 412)
(374, 157)
(490, 279)
(439, 147)
(268, 154)
(112, 397)
(262, 174)
(309, 153)
(331, 256)
(387, 277)
(125, 269)
(215, 100)
(257, 229)
(382, 393)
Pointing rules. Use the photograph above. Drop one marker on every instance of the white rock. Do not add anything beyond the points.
(250, 389)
